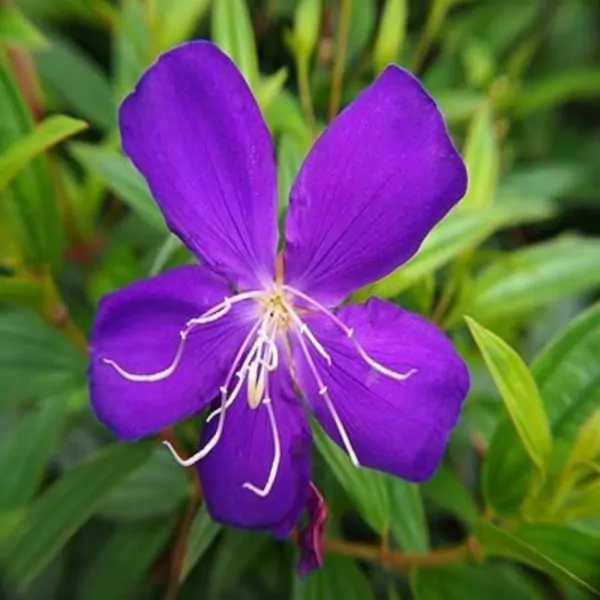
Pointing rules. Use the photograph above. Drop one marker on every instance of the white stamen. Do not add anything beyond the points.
(241, 373)
(264, 491)
(349, 331)
(225, 403)
(213, 314)
(220, 310)
(305, 330)
(159, 375)
(267, 359)
(192, 460)
(328, 402)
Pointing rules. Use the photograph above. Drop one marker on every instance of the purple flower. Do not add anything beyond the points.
(383, 383)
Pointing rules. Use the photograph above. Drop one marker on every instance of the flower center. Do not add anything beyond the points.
(280, 311)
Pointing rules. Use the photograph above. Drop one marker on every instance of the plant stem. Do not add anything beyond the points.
(305, 94)
(398, 560)
(55, 312)
(180, 546)
(341, 49)
(435, 19)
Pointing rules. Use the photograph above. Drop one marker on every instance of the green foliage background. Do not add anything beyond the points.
(512, 275)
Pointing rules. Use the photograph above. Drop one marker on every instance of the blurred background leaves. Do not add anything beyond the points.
(512, 275)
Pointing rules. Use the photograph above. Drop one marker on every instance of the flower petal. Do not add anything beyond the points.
(398, 427)
(372, 187)
(139, 327)
(195, 132)
(310, 536)
(244, 454)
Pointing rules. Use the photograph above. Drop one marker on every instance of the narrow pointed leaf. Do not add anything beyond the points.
(564, 553)
(45, 135)
(65, 507)
(569, 382)
(16, 29)
(28, 450)
(122, 566)
(482, 156)
(31, 212)
(368, 489)
(535, 276)
(202, 534)
(232, 32)
(519, 393)
(119, 176)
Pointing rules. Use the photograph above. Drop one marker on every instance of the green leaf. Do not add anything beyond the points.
(65, 507)
(119, 176)
(307, 25)
(362, 26)
(556, 89)
(156, 488)
(132, 45)
(586, 446)
(583, 502)
(479, 63)
(482, 157)
(289, 159)
(119, 266)
(408, 523)
(124, 561)
(177, 20)
(390, 34)
(45, 135)
(458, 106)
(270, 87)
(561, 552)
(202, 534)
(459, 231)
(20, 290)
(534, 276)
(237, 553)
(35, 360)
(568, 380)
(458, 582)
(16, 29)
(448, 492)
(31, 211)
(232, 32)
(519, 393)
(73, 78)
(27, 451)
(338, 578)
(368, 489)
(283, 115)
(567, 372)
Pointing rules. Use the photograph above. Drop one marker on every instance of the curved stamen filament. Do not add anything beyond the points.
(226, 401)
(221, 309)
(213, 314)
(159, 375)
(349, 331)
(324, 393)
(264, 491)
(305, 330)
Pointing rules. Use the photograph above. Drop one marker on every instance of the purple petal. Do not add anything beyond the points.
(398, 427)
(244, 454)
(372, 187)
(310, 537)
(138, 328)
(195, 132)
